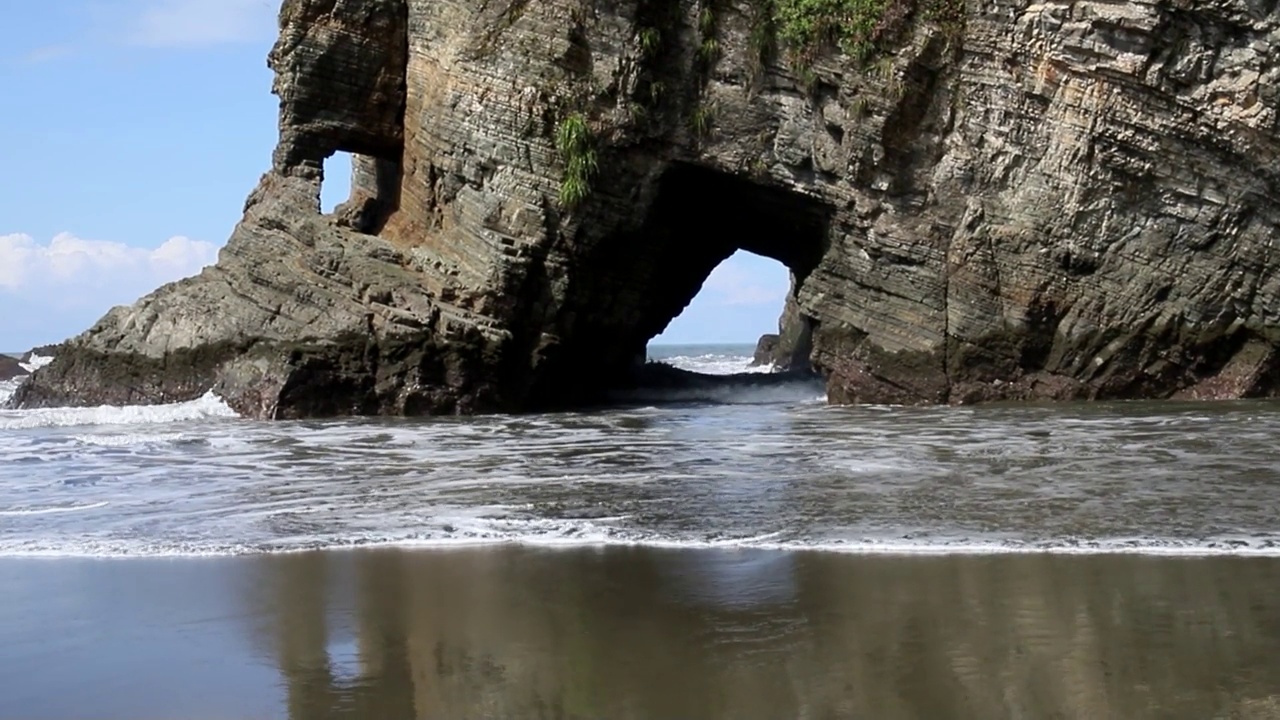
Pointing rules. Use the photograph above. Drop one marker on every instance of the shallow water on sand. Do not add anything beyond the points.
(510, 632)
(763, 467)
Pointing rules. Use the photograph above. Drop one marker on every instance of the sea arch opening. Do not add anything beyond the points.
(634, 284)
(359, 191)
(335, 181)
(739, 302)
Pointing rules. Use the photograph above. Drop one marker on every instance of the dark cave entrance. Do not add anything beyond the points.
(643, 279)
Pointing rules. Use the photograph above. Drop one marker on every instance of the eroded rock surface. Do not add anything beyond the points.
(1049, 200)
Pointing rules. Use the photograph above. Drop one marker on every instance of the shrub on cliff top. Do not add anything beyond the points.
(857, 27)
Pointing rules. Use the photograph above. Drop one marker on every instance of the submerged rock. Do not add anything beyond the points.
(997, 200)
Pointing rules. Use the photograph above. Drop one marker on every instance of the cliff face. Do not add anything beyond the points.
(998, 199)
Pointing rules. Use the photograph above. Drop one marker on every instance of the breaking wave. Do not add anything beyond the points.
(8, 388)
(713, 363)
(30, 365)
(742, 383)
(35, 362)
(207, 407)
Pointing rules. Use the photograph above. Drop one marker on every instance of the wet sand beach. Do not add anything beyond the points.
(630, 632)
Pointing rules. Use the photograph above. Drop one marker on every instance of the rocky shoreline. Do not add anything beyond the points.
(978, 201)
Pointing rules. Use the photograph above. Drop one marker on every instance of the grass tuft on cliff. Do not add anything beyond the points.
(576, 144)
(810, 25)
(857, 27)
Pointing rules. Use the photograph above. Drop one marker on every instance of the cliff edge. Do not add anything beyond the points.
(981, 200)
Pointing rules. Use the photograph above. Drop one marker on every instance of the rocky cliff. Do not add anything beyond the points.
(977, 200)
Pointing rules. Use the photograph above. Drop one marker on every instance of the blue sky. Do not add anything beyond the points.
(133, 131)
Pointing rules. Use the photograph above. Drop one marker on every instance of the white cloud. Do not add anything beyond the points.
(201, 23)
(737, 281)
(71, 262)
(52, 291)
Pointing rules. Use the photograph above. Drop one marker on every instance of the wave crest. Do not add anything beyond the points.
(208, 406)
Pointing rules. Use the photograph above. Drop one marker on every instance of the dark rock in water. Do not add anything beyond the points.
(955, 231)
(10, 368)
(765, 348)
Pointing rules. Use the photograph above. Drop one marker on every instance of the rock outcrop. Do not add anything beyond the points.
(42, 351)
(10, 368)
(995, 199)
(795, 337)
(766, 346)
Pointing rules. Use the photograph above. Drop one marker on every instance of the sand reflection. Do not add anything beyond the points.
(634, 633)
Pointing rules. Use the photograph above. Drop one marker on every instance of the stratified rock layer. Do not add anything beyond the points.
(1058, 200)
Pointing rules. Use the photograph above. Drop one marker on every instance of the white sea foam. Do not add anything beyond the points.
(570, 535)
(726, 363)
(716, 364)
(207, 407)
(129, 439)
(35, 362)
(8, 388)
(20, 512)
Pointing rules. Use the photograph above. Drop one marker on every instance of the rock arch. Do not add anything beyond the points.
(633, 282)
(1009, 203)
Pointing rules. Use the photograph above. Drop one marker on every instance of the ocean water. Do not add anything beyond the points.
(733, 553)
(761, 468)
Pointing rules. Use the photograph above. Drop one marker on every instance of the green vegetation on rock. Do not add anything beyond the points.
(650, 40)
(858, 28)
(701, 120)
(708, 47)
(806, 25)
(576, 144)
(854, 26)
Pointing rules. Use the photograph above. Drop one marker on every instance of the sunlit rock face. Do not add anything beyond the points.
(1052, 200)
